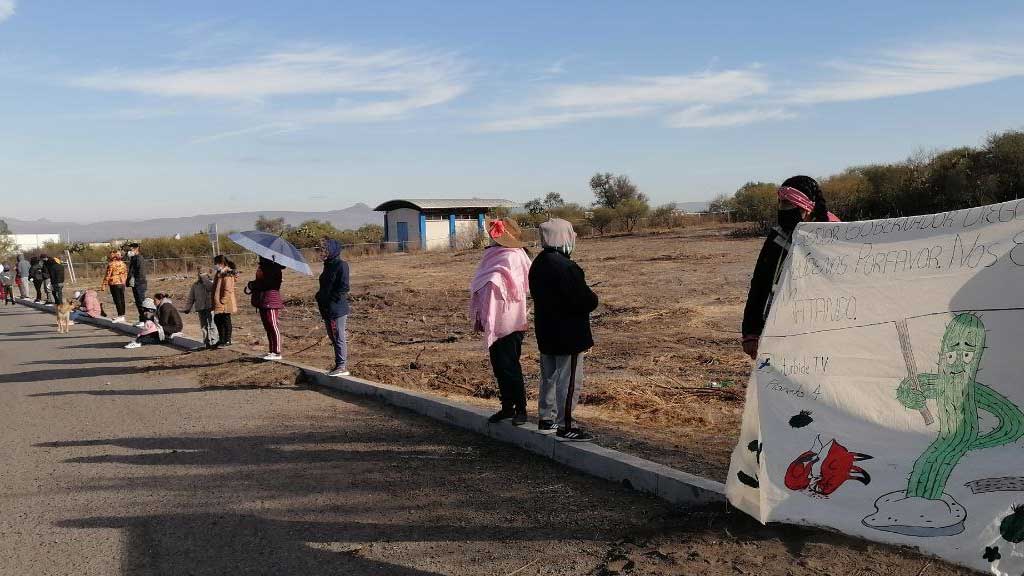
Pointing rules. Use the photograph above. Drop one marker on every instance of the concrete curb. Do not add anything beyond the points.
(633, 472)
(128, 329)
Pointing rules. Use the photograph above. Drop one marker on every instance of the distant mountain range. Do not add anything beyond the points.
(346, 219)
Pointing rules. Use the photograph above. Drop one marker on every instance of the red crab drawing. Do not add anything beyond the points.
(810, 471)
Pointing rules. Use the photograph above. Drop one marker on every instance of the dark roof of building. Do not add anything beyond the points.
(445, 204)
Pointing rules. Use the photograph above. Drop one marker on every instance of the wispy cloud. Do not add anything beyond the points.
(916, 71)
(704, 116)
(6, 9)
(635, 96)
(366, 87)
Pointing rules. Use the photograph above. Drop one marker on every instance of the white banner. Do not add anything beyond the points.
(884, 402)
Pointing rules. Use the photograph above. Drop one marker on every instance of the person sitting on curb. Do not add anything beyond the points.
(88, 305)
(562, 305)
(497, 309)
(167, 315)
(152, 332)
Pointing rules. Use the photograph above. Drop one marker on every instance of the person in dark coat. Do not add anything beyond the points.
(167, 315)
(265, 293)
(332, 300)
(137, 278)
(562, 305)
(56, 270)
(39, 275)
(800, 200)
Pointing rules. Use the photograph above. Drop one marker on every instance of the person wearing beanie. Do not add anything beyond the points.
(497, 309)
(562, 305)
(332, 300)
(800, 200)
(115, 278)
(152, 332)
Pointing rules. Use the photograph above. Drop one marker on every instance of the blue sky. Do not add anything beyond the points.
(112, 110)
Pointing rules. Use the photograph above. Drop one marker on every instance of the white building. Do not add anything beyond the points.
(436, 224)
(25, 242)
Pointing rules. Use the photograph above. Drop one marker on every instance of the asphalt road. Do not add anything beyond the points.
(109, 467)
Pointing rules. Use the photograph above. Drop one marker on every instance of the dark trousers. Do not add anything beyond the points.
(39, 289)
(339, 340)
(153, 338)
(269, 317)
(58, 293)
(223, 322)
(9, 293)
(139, 292)
(505, 353)
(117, 295)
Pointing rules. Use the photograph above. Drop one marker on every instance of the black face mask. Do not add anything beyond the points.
(789, 218)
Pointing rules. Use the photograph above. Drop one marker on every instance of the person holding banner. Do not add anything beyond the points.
(800, 200)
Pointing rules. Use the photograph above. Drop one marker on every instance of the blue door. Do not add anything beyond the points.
(403, 235)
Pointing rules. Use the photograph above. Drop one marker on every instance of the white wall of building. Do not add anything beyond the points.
(438, 237)
(32, 241)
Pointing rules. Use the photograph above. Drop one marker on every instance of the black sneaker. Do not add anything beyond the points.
(519, 419)
(546, 426)
(500, 415)
(574, 435)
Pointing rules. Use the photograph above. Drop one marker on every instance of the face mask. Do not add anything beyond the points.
(788, 219)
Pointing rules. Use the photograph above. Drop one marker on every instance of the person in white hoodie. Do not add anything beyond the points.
(200, 299)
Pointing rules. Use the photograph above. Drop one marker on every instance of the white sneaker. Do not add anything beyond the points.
(339, 373)
(140, 324)
(71, 322)
(118, 320)
(175, 335)
(50, 304)
(133, 344)
(272, 356)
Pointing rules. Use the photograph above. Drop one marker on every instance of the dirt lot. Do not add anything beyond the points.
(666, 329)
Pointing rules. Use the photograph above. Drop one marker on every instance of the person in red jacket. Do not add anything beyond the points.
(266, 297)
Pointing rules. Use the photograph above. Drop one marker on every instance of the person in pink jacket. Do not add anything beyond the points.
(89, 304)
(498, 311)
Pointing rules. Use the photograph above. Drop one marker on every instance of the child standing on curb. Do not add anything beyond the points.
(200, 299)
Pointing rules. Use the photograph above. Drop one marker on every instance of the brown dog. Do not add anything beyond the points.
(64, 316)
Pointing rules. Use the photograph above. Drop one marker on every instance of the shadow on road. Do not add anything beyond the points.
(157, 391)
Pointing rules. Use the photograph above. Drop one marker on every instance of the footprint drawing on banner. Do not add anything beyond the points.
(924, 509)
(824, 468)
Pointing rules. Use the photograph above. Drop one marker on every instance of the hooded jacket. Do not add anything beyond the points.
(562, 304)
(224, 292)
(266, 288)
(90, 302)
(200, 296)
(23, 267)
(56, 270)
(332, 297)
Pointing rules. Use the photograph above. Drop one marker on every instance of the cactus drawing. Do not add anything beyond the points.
(924, 509)
(958, 396)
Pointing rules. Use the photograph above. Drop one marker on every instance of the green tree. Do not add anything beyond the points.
(553, 201)
(601, 219)
(371, 233)
(630, 211)
(757, 202)
(271, 225)
(610, 190)
(664, 216)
